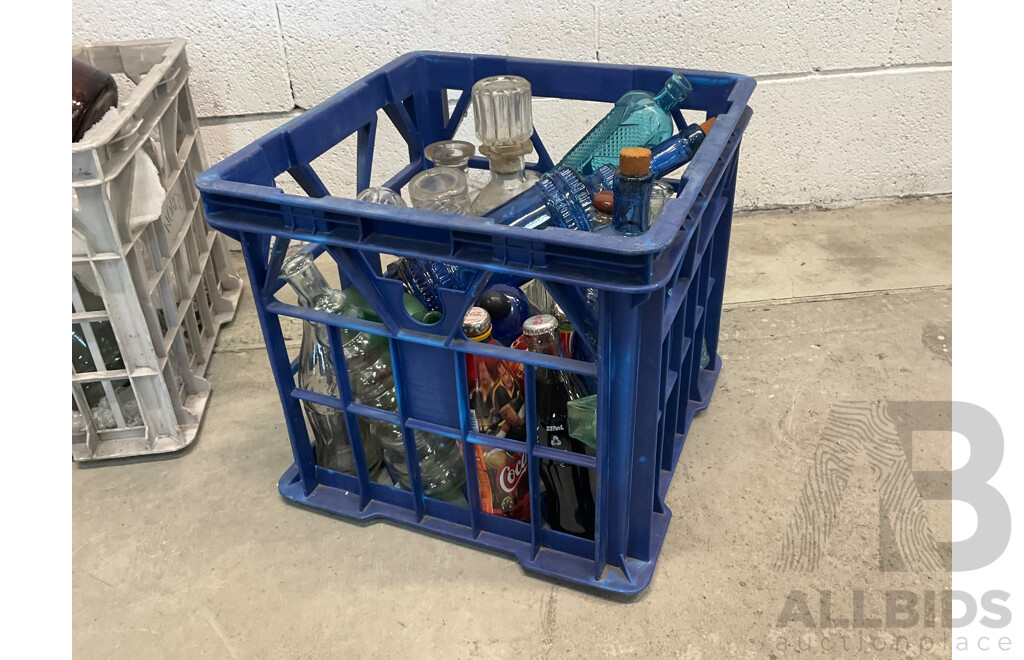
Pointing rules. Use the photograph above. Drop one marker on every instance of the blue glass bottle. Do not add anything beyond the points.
(638, 119)
(631, 210)
(508, 308)
(423, 278)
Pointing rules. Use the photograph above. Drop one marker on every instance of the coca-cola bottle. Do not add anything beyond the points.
(502, 475)
(569, 501)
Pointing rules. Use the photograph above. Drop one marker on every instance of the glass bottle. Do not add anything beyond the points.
(507, 307)
(422, 278)
(661, 192)
(569, 500)
(679, 149)
(450, 153)
(504, 124)
(566, 331)
(604, 204)
(502, 477)
(381, 195)
(316, 371)
(373, 384)
(632, 202)
(443, 189)
(93, 93)
(638, 119)
(556, 197)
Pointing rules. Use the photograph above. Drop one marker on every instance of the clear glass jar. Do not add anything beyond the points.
(443, 189)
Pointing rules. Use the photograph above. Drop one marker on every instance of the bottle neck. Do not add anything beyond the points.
(507, 167)
(672, 94)
(308, 282)
(546, 343)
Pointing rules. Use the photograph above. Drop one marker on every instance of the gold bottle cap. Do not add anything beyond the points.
(634, 161)
(706, 126)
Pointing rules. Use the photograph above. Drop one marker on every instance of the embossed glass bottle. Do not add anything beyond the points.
(369, 368)
(638, 119)
(316, 371)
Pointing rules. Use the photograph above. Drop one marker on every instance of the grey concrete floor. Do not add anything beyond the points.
(198, 555)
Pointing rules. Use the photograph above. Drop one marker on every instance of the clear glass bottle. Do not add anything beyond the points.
(443, 189)
(632, 202)
(569, 498)
(441, 469)
(316, 371)
(381, 195)
(502, 109)
(638, 119)
(372, 381)
(450, 153)
(661, 192)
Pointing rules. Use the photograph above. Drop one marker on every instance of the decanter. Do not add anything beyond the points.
(504, 124)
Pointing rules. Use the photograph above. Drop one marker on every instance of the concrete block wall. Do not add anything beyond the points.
(854, 99)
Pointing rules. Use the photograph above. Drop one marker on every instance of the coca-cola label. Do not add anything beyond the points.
(511, 474)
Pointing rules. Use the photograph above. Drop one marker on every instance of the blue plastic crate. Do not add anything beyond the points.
(660, 294)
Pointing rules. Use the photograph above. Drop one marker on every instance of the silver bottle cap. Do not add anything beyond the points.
(477, 323)
(541, 324)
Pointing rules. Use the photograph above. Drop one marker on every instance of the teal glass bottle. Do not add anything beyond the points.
(638, 119)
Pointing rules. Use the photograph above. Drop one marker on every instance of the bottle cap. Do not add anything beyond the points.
(564, 324)
(502, 108)
(634, 161)
(707, 124)
(541, 324)
(477, 324)
(604, 201)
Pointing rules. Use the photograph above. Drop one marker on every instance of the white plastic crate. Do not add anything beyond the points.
(164, 286)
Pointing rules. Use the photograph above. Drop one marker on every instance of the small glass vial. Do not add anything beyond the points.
(504, 124)
(631, 205)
